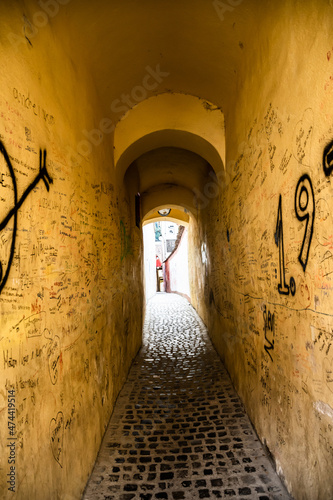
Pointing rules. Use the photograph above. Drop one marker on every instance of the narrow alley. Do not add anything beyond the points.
(121, 121)
(179, 430)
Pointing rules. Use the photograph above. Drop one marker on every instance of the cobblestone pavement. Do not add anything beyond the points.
(179, 430)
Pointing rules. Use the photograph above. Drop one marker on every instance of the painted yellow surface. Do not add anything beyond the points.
(170, 176)
(262, 252)
(84, 85)
(177, 215)
(178, 120)
(68, 251)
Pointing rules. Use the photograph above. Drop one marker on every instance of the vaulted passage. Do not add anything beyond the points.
(179, 430)
(214, 115)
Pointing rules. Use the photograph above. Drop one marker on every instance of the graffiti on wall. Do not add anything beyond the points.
(53, 355)
(126, 245)
(305, 208)
(10, 198)
(283, 288)
(57, 436)
(305, 211)
(269, 330)
(328, 159)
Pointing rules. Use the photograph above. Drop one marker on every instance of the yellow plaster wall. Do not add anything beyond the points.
(177, 215)
(277, 347)
(68, 329)
(170, 119)
(70, 306)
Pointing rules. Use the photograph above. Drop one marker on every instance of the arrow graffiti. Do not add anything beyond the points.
(11, 216)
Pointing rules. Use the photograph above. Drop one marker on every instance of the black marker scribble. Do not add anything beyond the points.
(305, 208)
(328, 159)
(283, 287)
(42, 175)
(269, 328)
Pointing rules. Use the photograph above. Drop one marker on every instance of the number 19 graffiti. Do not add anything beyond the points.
(305, 210)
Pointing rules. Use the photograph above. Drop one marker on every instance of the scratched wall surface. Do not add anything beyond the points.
(69, 250)
(266, 252)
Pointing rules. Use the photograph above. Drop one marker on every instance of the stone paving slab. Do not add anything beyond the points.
(179, 430)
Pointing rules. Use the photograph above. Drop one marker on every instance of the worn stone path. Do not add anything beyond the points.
(179, 430)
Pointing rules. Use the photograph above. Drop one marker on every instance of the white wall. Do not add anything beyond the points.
(178, 268)
(149, 260)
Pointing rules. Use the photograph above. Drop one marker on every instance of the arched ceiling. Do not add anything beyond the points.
(168, 145)
(197, 47)
(169, 177)
(136, 52)
(178, 214)
(167, 195)
(173, 166)
(177, 120)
